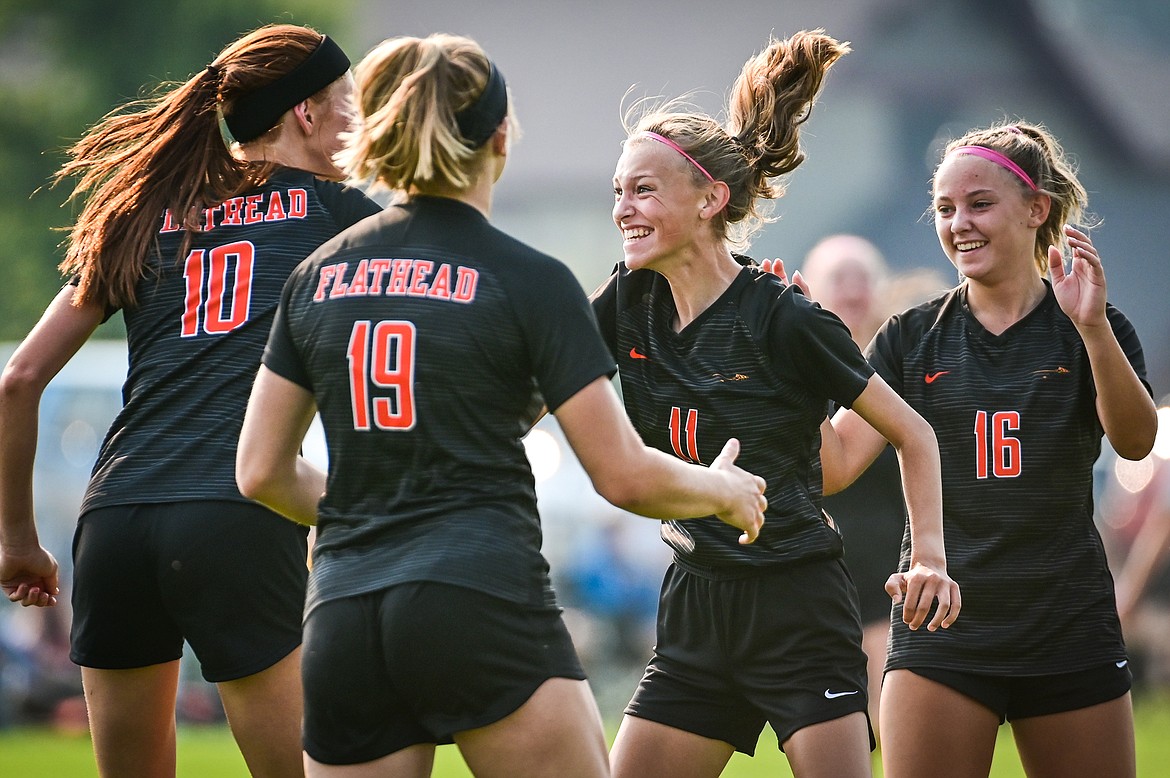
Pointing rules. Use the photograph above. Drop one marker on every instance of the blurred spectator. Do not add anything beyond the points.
(613, 578)
(38, 683)
(847, 275)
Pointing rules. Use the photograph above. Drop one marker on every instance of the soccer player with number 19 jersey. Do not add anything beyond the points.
(429, 341)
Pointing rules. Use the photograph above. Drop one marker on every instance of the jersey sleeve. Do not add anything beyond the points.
(604, 302)
(566, 348)
(345, 204)
(818, 347)
(108, 311)
(884, 353)
(1127, 337)
(281, 355)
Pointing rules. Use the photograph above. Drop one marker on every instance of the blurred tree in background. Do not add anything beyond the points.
(66, 63)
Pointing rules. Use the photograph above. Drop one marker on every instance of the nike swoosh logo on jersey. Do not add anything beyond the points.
(1121, 664)
(932, 377)
(635, 355)
(834, 695)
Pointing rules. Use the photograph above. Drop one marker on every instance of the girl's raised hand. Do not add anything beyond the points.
(1079, 289)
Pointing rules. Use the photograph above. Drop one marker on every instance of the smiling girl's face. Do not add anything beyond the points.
(656, 204)
(986, 221)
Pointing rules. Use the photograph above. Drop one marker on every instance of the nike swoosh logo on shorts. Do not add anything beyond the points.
(834, 695)
(1121, 664)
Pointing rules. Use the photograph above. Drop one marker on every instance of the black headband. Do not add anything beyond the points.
(479, 121)
(257, 112)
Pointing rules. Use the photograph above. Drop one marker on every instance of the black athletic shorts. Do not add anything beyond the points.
(1025, 696)
(783, 647)
(229, 577)
(419, 662)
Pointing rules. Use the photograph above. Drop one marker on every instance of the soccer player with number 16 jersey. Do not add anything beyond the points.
(1020, 377)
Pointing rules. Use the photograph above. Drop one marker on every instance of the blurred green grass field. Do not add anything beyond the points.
(209, 752)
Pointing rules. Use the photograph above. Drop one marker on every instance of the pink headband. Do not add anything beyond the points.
(999, 159)
(667, 141)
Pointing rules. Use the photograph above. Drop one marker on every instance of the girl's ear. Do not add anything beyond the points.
(716, 199)
(499, 139)
(1039, 209)
(303, 111)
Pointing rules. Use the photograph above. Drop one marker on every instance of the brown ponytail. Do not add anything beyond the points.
(770, 99)
(166, 152)
(773, 96)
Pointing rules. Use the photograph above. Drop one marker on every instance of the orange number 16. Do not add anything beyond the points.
(993, 442)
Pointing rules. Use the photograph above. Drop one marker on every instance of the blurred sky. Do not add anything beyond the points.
(1096, 72)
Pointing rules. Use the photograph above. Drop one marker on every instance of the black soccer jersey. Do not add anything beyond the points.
(429, 339)
(760, 364)
(196, 336)
(1018, 434)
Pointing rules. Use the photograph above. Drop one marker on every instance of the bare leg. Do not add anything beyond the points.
(411, 762)
(264, 712)
(556, 732)
(831, 749)
(929, 729)
(647, 749)
(873, 642)
(132, 719)
(1096, 741)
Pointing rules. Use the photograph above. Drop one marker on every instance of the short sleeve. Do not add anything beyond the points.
(345, 204)
(1127, 338)
(281, 355)
(604, 302)
(567, 351)
(818, 347)
(884, 353)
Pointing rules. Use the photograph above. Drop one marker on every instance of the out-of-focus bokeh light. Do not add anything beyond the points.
(544, 454)
(1162, 442)
(79, 443)
(1135, 476)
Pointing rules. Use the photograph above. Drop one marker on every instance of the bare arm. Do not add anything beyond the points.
(880, 414)
(848, 447)
(1125, 408)
(1126, 411)
(28, 573)
(640, 479)
(269, 467)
